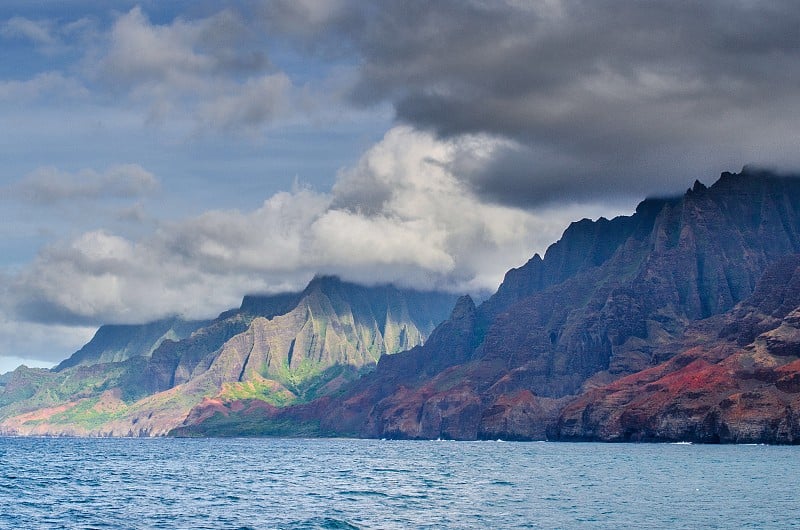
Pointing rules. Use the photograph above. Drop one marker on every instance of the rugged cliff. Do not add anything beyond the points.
(614, 302)
(679, 322)
(736, 380)
(280, 349)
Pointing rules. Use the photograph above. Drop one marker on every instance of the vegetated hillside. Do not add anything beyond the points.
(135, 380)
(611, 299)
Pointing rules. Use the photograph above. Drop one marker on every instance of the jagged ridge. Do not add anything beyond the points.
(278, 348)
(610, 299)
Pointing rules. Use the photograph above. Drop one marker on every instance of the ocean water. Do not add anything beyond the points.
(308, 484)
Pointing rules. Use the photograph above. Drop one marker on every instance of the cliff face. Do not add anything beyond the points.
(276, 349)
(737, 380)
(679, 322)
(609, 299)
(612, 301)
(699, 257)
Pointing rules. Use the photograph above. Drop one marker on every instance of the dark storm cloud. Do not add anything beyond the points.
(605, 96)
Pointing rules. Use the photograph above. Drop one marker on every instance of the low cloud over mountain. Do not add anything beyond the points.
(398, 215)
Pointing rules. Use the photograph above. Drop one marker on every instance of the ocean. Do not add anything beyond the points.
(382, 484)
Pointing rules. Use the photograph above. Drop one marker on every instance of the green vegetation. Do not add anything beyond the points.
(310, 380)
(271, 392)
(294, 379)
(34, 388)
(291, 387)
(24, 383)
(83, 382)
(235, 425)
(339, 331)
(88, 413)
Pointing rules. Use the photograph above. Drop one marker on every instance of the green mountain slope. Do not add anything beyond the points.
(278, 349)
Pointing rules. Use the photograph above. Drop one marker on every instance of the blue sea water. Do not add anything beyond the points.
(309, 484)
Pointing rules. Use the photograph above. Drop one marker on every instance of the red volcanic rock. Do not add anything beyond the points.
(452, 414)
(590, 313)
(398, 415)
(707, 394)
(518, 416)
(206, 409)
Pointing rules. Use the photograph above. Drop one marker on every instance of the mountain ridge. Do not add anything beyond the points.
(609, 300)
(680, 322)
(277, 348)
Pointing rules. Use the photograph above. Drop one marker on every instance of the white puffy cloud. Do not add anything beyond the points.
(180, 53)
(100, 277)
(425, 229)
(273, 238)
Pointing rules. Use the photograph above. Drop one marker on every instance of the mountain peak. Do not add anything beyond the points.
(464, 308)
(266, 305)
(323, 280)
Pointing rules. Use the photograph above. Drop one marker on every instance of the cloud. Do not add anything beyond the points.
(48, 185)
(427, 229)
(135, 214)
(258, 101)
(38, 345)
(596, 98)
(214, 68)
(593, 98)
(319, 26)
(48, 86)
(178, 53)
(48, 36)
(40, 32)
(203, 74)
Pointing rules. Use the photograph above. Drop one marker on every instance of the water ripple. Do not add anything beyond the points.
(369, 484)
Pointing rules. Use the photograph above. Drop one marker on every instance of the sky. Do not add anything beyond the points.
(166, 158)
